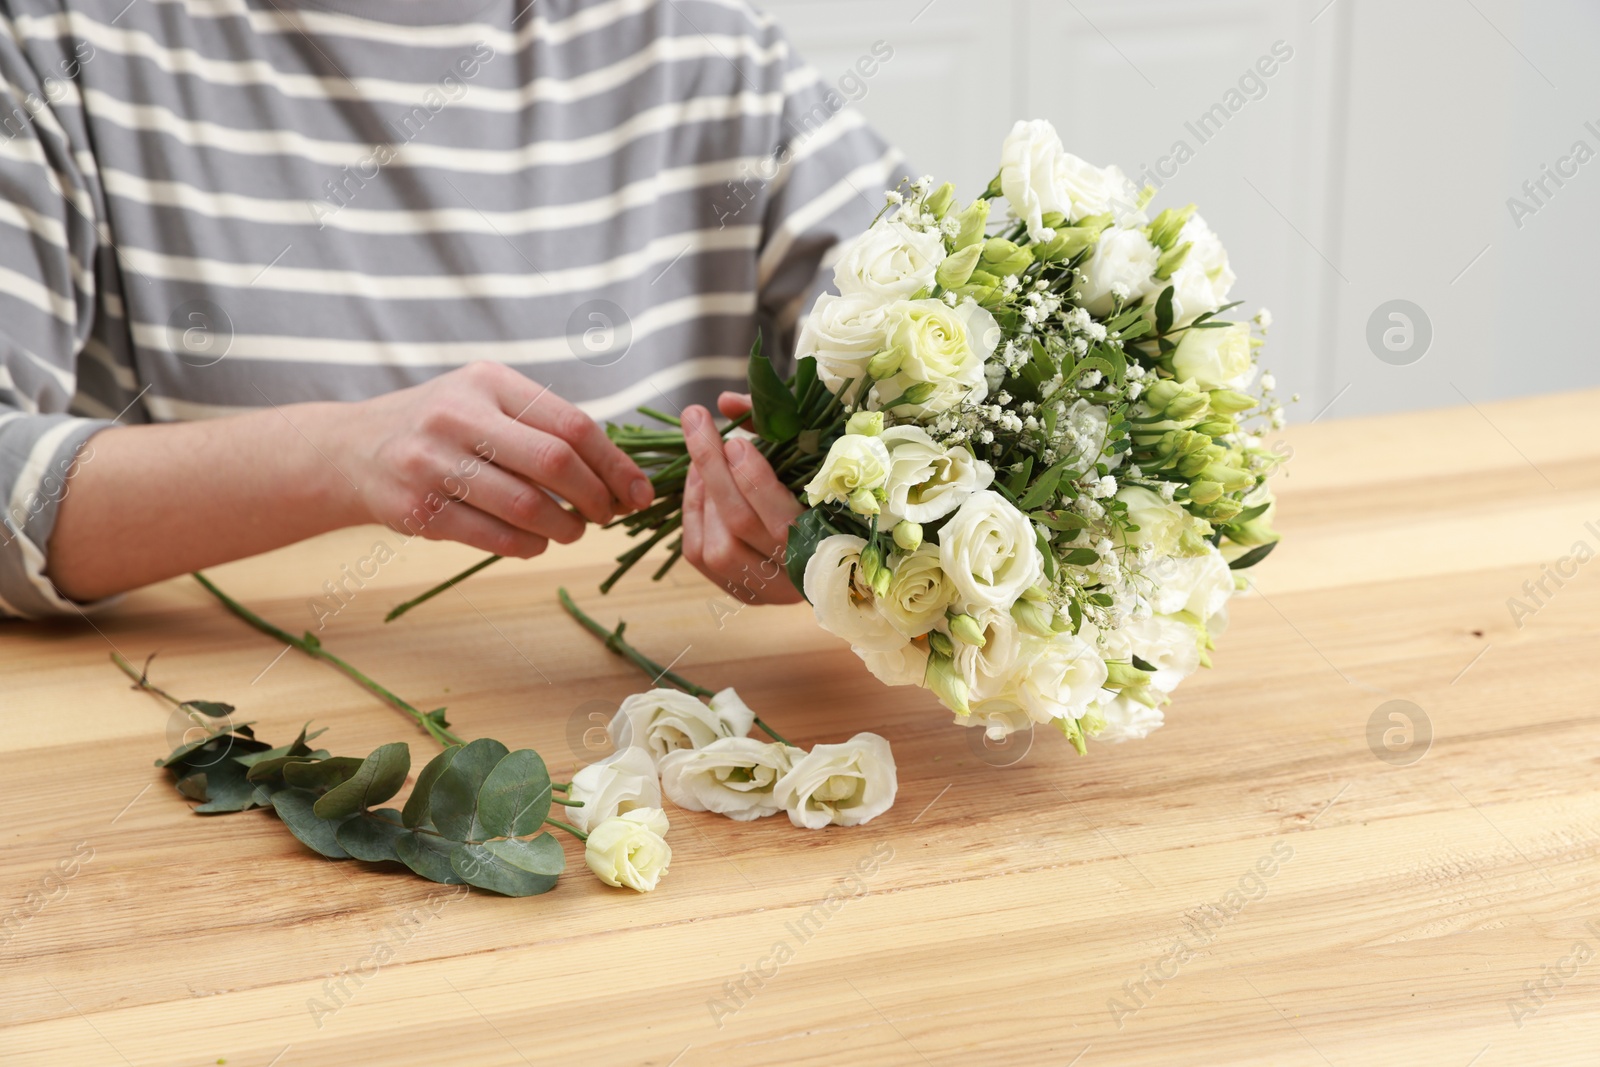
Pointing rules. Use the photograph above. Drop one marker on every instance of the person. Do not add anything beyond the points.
(273, 268)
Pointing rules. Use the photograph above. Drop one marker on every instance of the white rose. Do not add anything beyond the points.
(842, 785)
(732, 777)
(854, 462)
(989, 551)
(1038, 176)
(1202, 283)
(617, 784)
(888, 262)
(941, 345)
(630, 850)
(1028, 165)
(1097, 190)
(1200, 585)
(1059, 677)
(663, 720)
(1160, 522)
(999, 716)
(906, 665)
(1122, 260)
(1169, 645)
(1215, 359)
(841, 600)
(842, 333)
(919, 592)
(1127, 720)
(988, 670)
(927, 481)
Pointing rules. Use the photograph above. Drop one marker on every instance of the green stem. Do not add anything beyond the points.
(573, 830)
(615, 642)
(312, 647)
(401, 609)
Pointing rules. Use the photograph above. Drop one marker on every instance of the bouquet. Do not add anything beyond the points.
(1029, 444)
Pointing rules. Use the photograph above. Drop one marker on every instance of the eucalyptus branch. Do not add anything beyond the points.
(614, 640)
(431, 722)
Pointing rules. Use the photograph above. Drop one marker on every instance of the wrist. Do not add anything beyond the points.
(324, 474)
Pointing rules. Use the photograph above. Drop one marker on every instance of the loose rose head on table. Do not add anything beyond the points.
(1029, 445)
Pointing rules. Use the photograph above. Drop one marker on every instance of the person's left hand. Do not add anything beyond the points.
(736, 513)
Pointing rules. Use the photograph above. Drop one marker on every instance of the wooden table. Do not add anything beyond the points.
(1253, 884)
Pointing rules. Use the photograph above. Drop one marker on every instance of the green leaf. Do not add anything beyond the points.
(1064, 521)
(194, 785)
(1254, 556)
(1081, 557)
(453, 804)
(537, 855)
(215, 709)
(1164, 310)
(804, 534)
(379, 777)
(371, 836)
(515, 798)
(297, 747)
(182, 751)
(227, 789)
(805, 377)
(480, 867)
(428, 856)
(320, 775)
(774, 411)
(1045, 486)
(320, 835)
(415, 813)
(1019, 477)
(268, 770)
(1249, 513)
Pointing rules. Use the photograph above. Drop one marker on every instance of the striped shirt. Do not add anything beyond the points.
(210, 206)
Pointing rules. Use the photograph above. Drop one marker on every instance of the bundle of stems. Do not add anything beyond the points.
(794, 422)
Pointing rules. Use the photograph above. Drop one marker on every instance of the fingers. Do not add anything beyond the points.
(694, 492)
(732, 405)
(620, 478)
(772, 501)
(462, 522)
(724, 489)
(733, 564)
(522, 505)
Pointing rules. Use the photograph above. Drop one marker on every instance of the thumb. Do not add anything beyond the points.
(732, 405)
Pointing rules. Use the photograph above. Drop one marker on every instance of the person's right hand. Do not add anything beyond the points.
(480, 455)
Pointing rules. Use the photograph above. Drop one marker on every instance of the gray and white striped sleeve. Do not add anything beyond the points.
(828, 173)
(47, 305)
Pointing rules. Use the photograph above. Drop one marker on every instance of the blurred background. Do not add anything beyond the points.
(1371, 190)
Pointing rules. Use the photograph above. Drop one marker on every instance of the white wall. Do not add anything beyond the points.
(1375, 165)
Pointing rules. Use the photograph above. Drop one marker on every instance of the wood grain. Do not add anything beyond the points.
(1060, 910)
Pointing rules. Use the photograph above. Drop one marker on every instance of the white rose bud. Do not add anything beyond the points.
(927, 481)
(842, 785)
(618, 784)
(988, 549)
(906, 665)
(1122, 261)
(919, 592)
(889, 262)
(1160, 522)
(844, 604)
(630, 850)
(843, 333)
(732, 777)
(854, 463)
(1215, 359)
(664, 720)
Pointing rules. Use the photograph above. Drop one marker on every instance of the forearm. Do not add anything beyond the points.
(146, 503)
